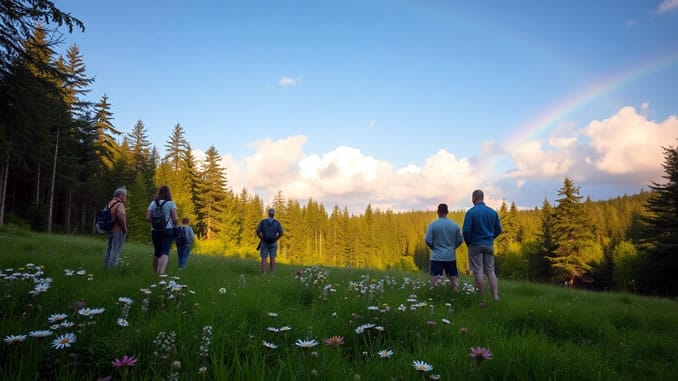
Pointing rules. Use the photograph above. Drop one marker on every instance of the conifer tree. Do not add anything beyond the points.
(572, 237)
(661, 234)
(214, 193)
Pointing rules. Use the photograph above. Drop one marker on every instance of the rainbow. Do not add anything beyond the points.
(550, 117)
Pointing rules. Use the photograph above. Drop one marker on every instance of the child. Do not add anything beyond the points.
(184, 240)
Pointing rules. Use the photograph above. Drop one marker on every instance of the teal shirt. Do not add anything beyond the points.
(443, 237)
(481, 225)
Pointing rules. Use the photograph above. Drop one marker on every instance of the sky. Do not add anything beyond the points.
(397, 104)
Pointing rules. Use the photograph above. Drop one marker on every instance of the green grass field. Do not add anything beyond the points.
(221, 320)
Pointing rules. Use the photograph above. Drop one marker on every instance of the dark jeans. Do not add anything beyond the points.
(162, 241)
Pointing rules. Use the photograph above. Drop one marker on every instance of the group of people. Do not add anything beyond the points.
(443, 236)
(165, 228)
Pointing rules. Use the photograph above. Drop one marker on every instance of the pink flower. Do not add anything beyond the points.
(480, 354)
(125, 362)
(335, 341)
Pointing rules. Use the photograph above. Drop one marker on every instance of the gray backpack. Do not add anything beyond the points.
(158, 218)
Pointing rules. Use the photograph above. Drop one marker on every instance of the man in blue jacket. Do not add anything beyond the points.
(481, 227)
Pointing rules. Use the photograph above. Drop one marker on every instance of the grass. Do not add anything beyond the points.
(221, 318)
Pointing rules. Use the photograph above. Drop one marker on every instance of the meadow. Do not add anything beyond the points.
(64, 317)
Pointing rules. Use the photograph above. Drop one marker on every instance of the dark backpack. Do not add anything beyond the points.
(104, 222)
(158, 219)
(269, 231)
(180, 236)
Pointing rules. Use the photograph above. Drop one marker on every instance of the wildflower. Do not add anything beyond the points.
(373, 308)
(13, 339)
(64, 341)
(85, 311)
(97, 311)
(66, 324)
(379, 328)
(431, 322)
(402, 308)
(422, 366)
(145, 291)
(40, 334)
(122, 322)
(314, 354)
(445, 321)
(463, 330)
(205, 341)
(125, 300)
(480, 354)
(222, 291)
(176, 365)
(55, 318)
(360, 329)
(434, 377)
(268, 345)
(335, 341)
(306, 344)
(202, 370)
(81, 272)
(385, 353)
(272, 314)
(125, 362)
(285, 328)
(273, 329)
(68, 272)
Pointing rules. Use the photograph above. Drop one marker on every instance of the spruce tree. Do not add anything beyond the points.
(572, 237)
(661, 234)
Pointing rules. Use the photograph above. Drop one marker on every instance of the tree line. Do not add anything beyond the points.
(61, 157)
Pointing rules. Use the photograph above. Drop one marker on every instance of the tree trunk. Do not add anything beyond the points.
(69, 208)
(3, 189)
(37, 186)
(51, 187)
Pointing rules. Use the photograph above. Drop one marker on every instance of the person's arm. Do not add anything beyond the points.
(466, 230)
(258, 231)
(428, 238)
(148, 214)
(280, 231)
(497, 227)
(122, 217)
(173, 214)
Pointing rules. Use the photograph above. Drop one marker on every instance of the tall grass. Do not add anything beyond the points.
(535, 332)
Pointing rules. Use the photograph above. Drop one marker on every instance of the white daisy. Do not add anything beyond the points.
(64, 341)
(40, 334)
(13, 339)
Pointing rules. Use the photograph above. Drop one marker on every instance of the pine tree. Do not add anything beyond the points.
(107, 148)
(661, 234)
(214, 193)
(572, 237)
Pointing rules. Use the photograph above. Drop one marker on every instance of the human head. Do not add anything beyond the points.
(184, 220)
(164, 193)
(120, 193)
(271, 212)
(442, 210)
(477, 196)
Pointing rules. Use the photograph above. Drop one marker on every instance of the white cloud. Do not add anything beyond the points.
(628, 142)
(624, 148)
(288, 81)
(667, 6)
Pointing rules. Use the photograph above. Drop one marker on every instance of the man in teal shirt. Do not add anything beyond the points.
(443, 237)
(481, 227)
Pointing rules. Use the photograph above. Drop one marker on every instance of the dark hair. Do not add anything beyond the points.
(163, 194)
(442, 209)
(184, 220)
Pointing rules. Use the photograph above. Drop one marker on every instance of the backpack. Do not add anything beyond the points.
(269, 230)
(158, 219)
(104, 221)
(180, 236)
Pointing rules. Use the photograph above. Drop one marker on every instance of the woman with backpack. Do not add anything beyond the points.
(162, 214)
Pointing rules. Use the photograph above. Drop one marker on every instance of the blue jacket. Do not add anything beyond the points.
(481, 225)
(443, 237)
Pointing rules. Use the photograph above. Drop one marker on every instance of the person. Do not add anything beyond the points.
(481, 227)
(443, 237)
(269, 231)
(184, 250)
(162, 234)
(119, 231)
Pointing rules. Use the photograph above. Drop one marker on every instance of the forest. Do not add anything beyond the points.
(61, 157)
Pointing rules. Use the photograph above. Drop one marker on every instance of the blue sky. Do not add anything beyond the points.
(399, 104)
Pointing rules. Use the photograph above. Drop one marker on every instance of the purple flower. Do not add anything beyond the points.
(480, 354)
(125, 362)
